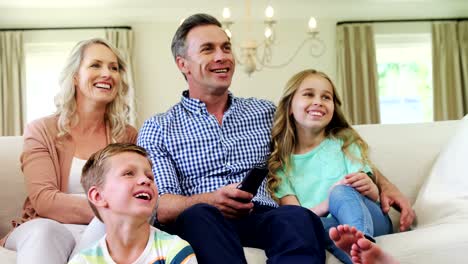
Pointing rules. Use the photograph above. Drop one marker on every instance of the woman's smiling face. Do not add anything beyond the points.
(98, 77)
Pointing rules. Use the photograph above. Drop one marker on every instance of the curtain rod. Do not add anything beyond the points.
(63, 28)
(403, 20)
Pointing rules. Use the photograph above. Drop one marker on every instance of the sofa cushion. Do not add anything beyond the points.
(444, 243)
(444, 195)
(7, 256)
(13, 192)
(405, 153)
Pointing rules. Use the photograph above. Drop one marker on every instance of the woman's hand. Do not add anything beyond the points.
(363, 184)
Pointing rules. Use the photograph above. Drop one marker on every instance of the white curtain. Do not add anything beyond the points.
(12, 83)
(122, 39)
(357, 73)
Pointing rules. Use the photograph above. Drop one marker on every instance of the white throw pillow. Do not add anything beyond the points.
(443, 197)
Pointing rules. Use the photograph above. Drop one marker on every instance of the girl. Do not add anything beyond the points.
(321, 163)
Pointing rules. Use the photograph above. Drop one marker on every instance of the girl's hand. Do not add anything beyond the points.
(321, 209)
(363, 184)
(340, 182)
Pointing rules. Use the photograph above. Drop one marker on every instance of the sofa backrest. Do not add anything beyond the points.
(12, 192)
(403, 152)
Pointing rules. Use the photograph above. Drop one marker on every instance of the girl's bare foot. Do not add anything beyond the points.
(344, 236)
(366, 252)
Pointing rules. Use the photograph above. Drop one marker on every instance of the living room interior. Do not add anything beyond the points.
(53, 27)
(157, 81)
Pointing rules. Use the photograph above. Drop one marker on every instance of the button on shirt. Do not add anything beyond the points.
(193, 154)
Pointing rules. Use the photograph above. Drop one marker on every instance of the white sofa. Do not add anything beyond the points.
(405, 153)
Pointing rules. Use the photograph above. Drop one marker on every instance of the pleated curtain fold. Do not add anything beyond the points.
(12, 83)
(463, 45)
(450, 69)
(357, 73)
(122, 39)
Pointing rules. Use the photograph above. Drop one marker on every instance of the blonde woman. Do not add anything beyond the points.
(92, 111)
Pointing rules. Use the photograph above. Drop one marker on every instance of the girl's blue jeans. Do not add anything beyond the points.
(348, 206)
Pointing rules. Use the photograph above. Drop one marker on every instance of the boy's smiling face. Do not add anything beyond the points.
(129, 187)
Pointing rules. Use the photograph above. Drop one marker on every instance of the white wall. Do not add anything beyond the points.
(159, 83)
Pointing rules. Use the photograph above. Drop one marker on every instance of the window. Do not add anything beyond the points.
(44, 62)
(45, 55)
(404, 64)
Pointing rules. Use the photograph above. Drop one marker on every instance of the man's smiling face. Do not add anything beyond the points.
(208, 63)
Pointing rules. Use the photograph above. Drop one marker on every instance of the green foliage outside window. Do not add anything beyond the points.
(407, 81)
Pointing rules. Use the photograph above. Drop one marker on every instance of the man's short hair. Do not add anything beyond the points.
(95, 169)
(178, 41)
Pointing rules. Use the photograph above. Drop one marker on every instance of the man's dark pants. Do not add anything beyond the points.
(288, 234)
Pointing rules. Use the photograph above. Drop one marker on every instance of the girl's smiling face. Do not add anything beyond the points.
(312, 105)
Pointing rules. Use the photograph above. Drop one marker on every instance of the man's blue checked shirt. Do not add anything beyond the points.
(192, 153)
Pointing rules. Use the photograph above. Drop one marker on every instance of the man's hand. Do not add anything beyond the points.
(391, 196)
(232, 202)
(363, 184)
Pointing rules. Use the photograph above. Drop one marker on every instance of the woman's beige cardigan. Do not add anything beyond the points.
(46, 162)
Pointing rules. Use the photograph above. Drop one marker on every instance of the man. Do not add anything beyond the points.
(204, 146)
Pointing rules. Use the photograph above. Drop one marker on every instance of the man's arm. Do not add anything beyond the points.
(231, 201)
(391, 196)
(228, 199)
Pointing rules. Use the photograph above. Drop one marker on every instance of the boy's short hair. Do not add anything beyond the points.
(94, 170)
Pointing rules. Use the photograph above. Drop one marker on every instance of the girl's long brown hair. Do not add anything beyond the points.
(283, 132)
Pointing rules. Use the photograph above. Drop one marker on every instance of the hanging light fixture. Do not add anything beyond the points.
(250, 58)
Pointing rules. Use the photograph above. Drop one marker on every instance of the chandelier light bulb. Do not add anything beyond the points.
(226, 13)
(268, 32)
(255, 57)
(269, 12)
(312, 24)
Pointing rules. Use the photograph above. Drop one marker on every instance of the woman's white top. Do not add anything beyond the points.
(74, 185)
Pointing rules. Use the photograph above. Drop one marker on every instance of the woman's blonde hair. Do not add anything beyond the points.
(283, 132)
(117, 111)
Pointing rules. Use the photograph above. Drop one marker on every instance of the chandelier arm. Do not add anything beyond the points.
(266, 56)
(259, 67)
(239, 61)
(275, 66)
(321, 48)
(234, 51)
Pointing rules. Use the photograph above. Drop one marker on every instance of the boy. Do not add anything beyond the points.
(120, 186)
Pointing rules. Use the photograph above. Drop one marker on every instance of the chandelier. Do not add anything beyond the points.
(256, 56)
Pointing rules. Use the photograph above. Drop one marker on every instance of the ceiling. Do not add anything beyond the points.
(17, 13)
(186, 3)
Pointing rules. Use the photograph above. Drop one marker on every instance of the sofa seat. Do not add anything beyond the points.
(405, 153)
